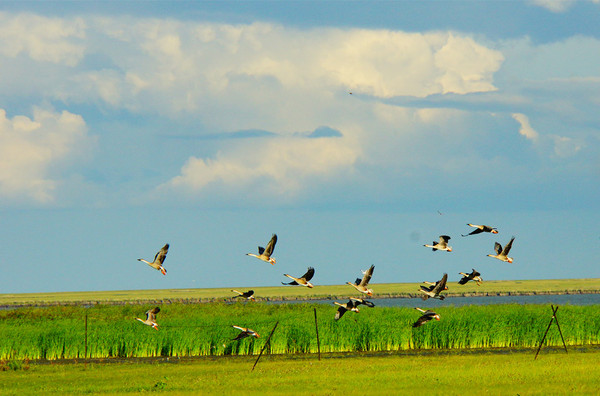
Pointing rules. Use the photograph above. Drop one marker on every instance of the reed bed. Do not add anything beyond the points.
(206, 329)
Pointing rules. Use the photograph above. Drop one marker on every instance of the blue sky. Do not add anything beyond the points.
(212, 125)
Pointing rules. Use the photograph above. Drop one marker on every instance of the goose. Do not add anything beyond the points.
(435, 289)
(502, 254)
(249, 295)
(441, 245)
(426, 317)
(264, 254)
(474, 276)
(302, 281)
(481, 228)
(351, 305)
(360, 301)
(361, 284)
(245, 332)
(151, 318)
(159, 259)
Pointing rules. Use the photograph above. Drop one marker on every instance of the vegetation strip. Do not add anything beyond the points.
(381, 290)
(205, 330)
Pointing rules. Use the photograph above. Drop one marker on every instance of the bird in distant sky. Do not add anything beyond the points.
(159, 259)
(426, 317)
(434, 290)
(245, 332)
(151, 318)
(303, 280)
(264, 254)
(249, 295)
(473, 276)
(481, 228)
(502, 254)
(361, 284)
(441, 245)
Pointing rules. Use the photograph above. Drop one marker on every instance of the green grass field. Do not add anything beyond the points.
(506, 373)
(293, 293)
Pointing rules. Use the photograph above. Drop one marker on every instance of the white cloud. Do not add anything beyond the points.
(201, 67)
(279, 166)
(560, 146)
(565, 146)
(556, 6)
(32, 148)
(54, 40)
(526, 129)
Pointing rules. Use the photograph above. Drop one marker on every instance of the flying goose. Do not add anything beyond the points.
(159, 259)
(264, 254)
(502, 254)
(426, 317)
(351, 305)
(245, 332)
(435, 289)
(481, 228)
(304, 280)
(361, 284)
(151, 318)
(249, 295)
(474, 276)
(441, 245)
(360, 301)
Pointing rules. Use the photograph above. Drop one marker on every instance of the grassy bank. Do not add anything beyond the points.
(436, 374)
(292, 293)
(205, 329)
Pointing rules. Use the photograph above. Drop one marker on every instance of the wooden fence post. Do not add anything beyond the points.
(553, 318)
(317, 329)
(264, 346)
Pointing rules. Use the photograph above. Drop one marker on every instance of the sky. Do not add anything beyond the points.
(356, 131)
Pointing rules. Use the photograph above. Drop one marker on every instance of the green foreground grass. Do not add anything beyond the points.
(508, 373)
(293, 293)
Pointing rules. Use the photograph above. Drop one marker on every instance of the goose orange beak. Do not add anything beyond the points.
(164, 271)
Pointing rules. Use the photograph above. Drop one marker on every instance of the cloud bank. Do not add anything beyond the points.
(33, 149)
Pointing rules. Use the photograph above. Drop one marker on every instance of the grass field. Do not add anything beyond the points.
(505, 373)
(292, 293)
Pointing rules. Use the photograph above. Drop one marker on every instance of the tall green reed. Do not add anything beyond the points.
(206, 329)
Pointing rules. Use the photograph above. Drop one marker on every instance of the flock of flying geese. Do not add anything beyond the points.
(432, 290)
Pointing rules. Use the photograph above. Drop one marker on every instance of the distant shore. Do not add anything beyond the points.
(291, 298)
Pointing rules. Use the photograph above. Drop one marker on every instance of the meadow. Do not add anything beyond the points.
(58, 332)
(490, 373)
(283, 293)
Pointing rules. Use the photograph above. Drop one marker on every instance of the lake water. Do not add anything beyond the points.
(555, 299)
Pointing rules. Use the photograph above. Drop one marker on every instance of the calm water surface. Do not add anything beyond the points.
(556, 299)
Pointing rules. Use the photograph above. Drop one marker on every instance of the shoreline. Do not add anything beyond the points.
(90, 303)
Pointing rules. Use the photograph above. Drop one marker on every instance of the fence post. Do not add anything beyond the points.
(85, 351)
(317, 329)
(264, 346)
(553, 318)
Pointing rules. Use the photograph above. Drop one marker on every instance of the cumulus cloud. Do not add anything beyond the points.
(54, 40)
(279, 166)
(173, 67)
(31, 149)
(435, 100)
